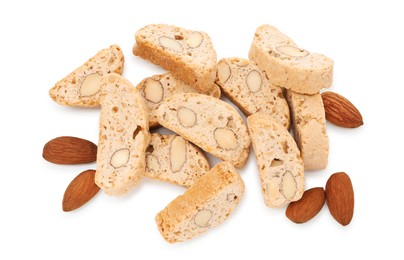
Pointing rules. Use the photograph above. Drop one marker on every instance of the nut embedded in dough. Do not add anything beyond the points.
(223, 72)
(153, 91)
(225, 138)
(120, 158)
(195, 40)
(91, 85)
(253, 81)
(178, 153)
(292, 51)
(170, 44)
(203, 217)
(288, 186)
(186, 117)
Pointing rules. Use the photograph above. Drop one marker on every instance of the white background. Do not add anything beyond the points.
(42, 41)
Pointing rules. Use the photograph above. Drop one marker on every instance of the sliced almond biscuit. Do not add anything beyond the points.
(173, 159)
(287, 65)
(208, 122)
(246, 86)
(159, 87)
(123, 138)
(81, 88)
(279, 163)
(207, 204)
(187, 54)
(309, 127)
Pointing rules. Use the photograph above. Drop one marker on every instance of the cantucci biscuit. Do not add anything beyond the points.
(309, 127)
(208, 122)
(81, 88)
(123, 137)
(173, 159)
(287, 65)
(157, 88)
(187, 54)
(207, 204)
(246, 86)
(279, 163)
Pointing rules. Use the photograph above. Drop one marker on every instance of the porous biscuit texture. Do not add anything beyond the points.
(287, 65)
(123, 136)
(207, 204)
(159, 87)
(279, 163)
(208, 122)
(81, 88)
(171, 158)
(247, 86)
(309, 128)
(189, 55)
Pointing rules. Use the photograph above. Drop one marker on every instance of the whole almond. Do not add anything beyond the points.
(340, 111)
(340, 197)
(80, 191)
(69, 150)
(307, 207)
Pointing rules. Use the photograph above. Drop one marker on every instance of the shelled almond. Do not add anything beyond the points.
(307, 207)
(69, 150)
(80, 191)
(340, 197)
(340, 111)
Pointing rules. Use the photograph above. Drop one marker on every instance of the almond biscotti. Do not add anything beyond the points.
(123, 137)
(157, 88)
(81, 88)
(246, 86)
(279, 163)
(309, 127)
(207, 204)
(173, 159)
(208, 122)
(287, 65)
(187, 54)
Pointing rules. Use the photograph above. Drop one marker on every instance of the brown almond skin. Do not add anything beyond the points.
(307, 207)
(69, 150)
(340, 111)
(340, 197)
(80, 191)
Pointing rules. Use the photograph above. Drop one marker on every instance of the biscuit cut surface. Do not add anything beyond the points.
(187, 54)
(173, 159)
(207, 204)
(279, 163)
(123, 137)
(309, 127)
(81, 88)
(208, 122)
(246, 86)
(159, 87)
(287, 65)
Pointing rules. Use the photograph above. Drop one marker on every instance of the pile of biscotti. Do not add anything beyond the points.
(276, 89)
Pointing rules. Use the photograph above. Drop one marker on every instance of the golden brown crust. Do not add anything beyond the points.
(159, 57)
(186, 65)
(220, 178)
